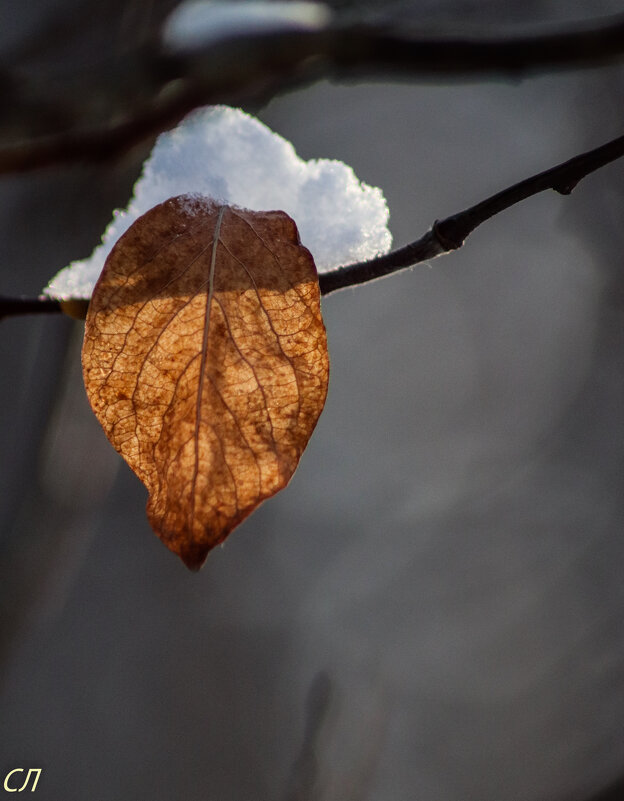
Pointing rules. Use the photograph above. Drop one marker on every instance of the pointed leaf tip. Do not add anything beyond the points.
(205, 360)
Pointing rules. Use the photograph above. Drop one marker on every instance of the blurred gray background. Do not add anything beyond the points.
(434, 608)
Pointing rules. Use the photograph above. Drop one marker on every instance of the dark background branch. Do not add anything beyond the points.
(254, 68)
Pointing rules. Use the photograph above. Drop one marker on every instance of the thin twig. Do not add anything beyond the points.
(252, 68)
(451, 233)
(10, 307)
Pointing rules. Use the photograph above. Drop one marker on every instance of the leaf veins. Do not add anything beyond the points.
(205, 360)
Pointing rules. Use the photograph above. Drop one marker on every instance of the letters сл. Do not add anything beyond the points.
(23, 787)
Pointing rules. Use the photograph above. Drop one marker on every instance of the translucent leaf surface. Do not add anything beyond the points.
(205, 360)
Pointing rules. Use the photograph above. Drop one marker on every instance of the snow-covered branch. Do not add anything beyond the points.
(443, 237)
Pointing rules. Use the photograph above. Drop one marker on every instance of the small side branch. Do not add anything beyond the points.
(451, 233)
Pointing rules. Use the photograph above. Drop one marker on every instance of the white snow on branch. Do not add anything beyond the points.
(198, 23)
(232, 157)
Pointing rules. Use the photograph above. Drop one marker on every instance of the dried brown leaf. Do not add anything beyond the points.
(205, 360)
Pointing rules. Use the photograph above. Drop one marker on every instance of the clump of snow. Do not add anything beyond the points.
(232, 157)
(200, 22)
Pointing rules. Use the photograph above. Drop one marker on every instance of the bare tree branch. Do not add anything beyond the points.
(451, 233)
(252, 68)
(10, 307)
(443, 237)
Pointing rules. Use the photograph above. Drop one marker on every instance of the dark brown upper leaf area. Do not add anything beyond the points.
(205, 360)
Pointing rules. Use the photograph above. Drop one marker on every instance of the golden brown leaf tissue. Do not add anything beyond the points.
(205, 360)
